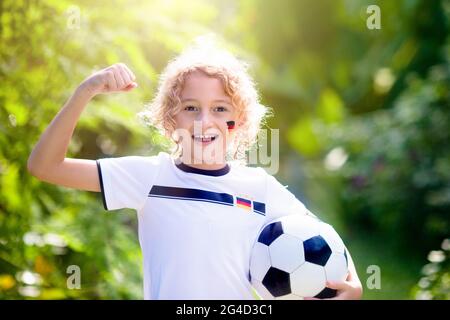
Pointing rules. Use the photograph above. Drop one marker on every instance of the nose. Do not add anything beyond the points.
(205, 118)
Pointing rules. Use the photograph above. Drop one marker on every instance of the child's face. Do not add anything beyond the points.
(205, 110)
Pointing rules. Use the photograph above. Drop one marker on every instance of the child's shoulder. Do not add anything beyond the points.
(138, 161)
(243, 169)
(259, 175)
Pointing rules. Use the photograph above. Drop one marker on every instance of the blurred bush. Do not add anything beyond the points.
(435, 283)
(397, 171)
(44, 229)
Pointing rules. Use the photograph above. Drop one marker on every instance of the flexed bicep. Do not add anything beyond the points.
(79, 174)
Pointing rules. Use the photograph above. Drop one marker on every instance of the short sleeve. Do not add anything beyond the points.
(125, 182)
(281, 202)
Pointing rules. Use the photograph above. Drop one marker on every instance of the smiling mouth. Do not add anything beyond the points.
(204, 138)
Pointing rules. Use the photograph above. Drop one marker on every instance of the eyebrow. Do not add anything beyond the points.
(217, 100)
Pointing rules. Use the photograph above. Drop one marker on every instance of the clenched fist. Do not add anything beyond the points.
(115, 78)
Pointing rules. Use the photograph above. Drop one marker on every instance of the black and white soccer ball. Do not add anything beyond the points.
(294, 256)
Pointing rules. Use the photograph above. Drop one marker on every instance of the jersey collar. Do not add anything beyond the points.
(216, 172)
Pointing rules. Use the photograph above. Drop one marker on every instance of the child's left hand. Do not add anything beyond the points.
(346, 290)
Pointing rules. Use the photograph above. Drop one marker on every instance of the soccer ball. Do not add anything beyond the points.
(294, 256)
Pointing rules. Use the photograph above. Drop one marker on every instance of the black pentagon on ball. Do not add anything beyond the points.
(317, 250)
(326, 293)
(277, 282)
(270, 233)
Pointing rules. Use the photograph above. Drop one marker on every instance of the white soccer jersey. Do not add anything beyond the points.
(196, 227)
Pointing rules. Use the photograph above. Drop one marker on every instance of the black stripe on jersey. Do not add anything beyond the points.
(191, 194)
(200, 195)
(259, 207)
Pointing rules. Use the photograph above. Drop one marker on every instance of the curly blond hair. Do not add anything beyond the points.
(237, 83)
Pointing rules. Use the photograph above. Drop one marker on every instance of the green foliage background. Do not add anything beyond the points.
(363, 118)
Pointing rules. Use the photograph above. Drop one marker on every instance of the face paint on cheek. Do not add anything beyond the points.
(230, 125)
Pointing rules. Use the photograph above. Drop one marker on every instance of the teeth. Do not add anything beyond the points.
(205, 136)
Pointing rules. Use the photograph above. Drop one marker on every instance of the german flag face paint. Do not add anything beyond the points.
(230, 125)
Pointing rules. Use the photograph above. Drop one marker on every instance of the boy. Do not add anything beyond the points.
(198, 213)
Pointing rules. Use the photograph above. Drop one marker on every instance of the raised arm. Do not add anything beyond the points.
(48, 161)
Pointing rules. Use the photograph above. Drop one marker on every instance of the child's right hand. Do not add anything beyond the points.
(115, 78)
